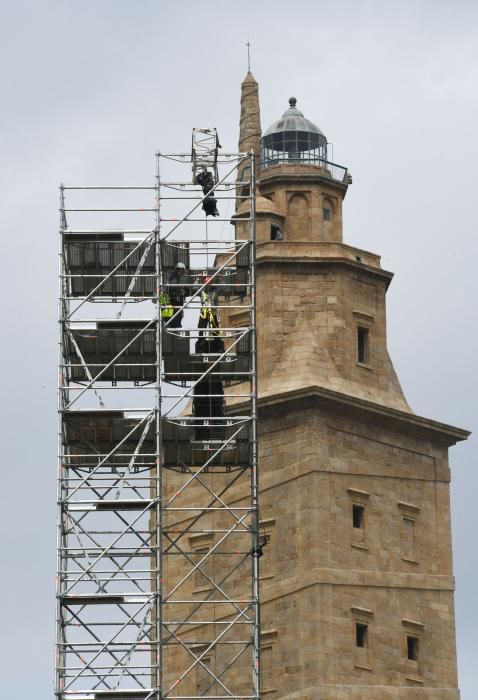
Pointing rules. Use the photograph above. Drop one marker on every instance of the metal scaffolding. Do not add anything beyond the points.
(158, 545)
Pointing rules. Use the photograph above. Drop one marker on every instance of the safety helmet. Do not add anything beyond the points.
(180, 266)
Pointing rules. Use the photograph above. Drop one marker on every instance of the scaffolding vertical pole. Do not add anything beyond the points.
(158, 422)
(254, 460)
(59, 640)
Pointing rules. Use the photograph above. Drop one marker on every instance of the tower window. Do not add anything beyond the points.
(408, 534)
(326, 213)
(363, 642)
(358, 514)
(412, 648)
(201, 580)
(408, 539)
(358, 505)
(413, 635)
(268, 677)
(266, 668)
(361, 635)
(266, 566)
(204, 679)
(276, 233)
(362, 345)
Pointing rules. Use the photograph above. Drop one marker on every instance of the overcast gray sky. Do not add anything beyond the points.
(90, 89)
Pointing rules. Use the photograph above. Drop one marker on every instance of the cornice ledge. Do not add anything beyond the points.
(265, 177)
(452, 433)
(323, 260)
(372, 690)
(356, 579)
(353, 250)
(320, 576)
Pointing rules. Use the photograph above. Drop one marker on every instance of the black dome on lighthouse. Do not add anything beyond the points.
(293, 120)
(293, 138)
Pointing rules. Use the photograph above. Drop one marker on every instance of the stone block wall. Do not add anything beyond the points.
(321, 576)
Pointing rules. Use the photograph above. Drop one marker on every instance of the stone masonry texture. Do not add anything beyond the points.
(337, 433)
(354, 487)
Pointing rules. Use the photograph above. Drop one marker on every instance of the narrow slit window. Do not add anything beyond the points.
(412, 648)
(326, 213)
(358, 516)
(266, 668)
(361, 635)
(362, 345)
(265, 565)
(268, 677)
(204, 680)
(408, 539)
(276, 233)
(201, 580)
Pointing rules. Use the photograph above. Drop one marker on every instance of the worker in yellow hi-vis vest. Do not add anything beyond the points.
(208, 316)
(167, 309)
(173, 298)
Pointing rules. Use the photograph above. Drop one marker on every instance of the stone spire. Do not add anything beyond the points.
(249, 130)
(250, 124)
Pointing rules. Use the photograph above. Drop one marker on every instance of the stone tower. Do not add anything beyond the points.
(356, 578)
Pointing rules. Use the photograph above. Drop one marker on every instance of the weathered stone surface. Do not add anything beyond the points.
(354, 486)
(250, 124)
(335, 432)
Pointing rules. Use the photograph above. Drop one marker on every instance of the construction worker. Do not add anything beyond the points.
(175, 296)
(208, 317)
(206, 180)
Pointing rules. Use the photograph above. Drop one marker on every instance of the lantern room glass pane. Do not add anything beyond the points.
(293, 147)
